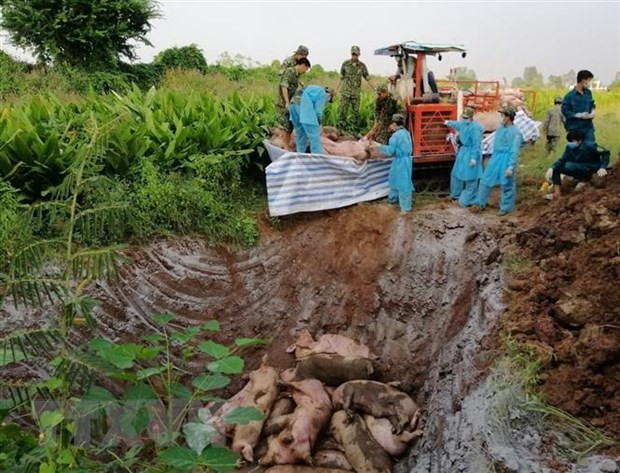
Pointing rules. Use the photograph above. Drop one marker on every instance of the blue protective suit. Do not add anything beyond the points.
(506, 148)
(577, 102)
(306, 117)
(401, 186)
(580, 162)
(464, 178)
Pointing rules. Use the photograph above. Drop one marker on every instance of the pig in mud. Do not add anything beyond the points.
(381, 430)
(262, 395)
(331, 459)
(361, 449)
(302, 469)
(330, 344)
(225, 429)
(300, 429)
(377, 399)
(332, 369)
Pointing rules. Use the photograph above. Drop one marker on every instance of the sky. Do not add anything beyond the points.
(502, 37)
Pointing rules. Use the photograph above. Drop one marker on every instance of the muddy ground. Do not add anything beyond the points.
(567, 299)
(427, 292)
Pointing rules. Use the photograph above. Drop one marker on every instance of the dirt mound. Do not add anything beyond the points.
(568, 301)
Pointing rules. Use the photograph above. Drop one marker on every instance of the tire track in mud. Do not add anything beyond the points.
(422, 290)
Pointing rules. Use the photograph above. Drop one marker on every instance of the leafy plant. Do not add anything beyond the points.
(31, 282)
(76, 32)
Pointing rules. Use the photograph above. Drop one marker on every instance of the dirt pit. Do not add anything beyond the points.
(424, 291)
(567, 299)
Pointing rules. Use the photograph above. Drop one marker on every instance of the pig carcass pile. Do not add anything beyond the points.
(335, 143)
(325, 415)
(514, 97)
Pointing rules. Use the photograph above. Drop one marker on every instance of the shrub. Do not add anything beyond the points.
(186, 57)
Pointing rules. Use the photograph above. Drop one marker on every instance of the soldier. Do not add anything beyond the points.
(289, 81)
(552, 125)
(385, 107)
(351, 74)
(291, 61)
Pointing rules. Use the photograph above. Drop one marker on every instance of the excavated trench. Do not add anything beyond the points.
(422, 290)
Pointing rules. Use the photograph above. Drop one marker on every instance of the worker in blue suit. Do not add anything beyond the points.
(502, 167)
(467, 168)
(306, 112)
(400, 148)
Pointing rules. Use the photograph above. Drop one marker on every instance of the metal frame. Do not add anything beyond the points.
(426, 123)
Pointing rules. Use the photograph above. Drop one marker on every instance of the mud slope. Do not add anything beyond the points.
(421, 290)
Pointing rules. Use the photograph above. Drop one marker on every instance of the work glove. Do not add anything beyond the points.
(445, 122)
(592, 114)
(508, 172)
(601, 172)
(582, 115)
(472, 163)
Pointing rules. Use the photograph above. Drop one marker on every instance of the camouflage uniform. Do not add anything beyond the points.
(384, 109)
(288, 62)
(351, 74)
(290, 80)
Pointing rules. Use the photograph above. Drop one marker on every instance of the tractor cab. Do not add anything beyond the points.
(429, 102)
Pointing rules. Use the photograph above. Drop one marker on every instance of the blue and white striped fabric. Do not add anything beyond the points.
(527, 127)
(299, 182)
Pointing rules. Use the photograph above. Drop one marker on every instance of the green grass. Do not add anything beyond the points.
(519, 371)
(516, 264)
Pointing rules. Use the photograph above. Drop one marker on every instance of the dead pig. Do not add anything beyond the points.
(381, 431)
(362, 451)
(377, 399)
(332, 369)
(262, 395)
(331, 459)
(301, 428)
(330, 344)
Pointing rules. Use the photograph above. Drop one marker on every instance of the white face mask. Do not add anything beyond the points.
(586, 85)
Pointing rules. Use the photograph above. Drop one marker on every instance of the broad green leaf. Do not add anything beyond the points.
(181, 392)
(11, 356)
(179, 457)
(140, 392)
(230, 365)
(249, 342)
(198, 436)
(49, 419)
(97, 393)
(216, 350)
(53, 383)
(65, 457)
(148, 372)
(47, 468)
(162, 319)
(243, 415)
(154, 338)
(221, 460)
(211, 326)
(133, 423)
(207, 382)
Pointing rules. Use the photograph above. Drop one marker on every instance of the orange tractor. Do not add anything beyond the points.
(430, 102)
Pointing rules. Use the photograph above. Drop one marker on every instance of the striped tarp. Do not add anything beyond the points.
(299, 182)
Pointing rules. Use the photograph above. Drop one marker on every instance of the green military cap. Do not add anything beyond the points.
(468, 112)
(557, 100)
(302, 50)
(382, 88)
(355, 50)
(508, 110)
(398, 118)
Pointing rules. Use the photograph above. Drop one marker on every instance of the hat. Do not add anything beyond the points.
(355, 50)
(382, 88)
(302, 50)
(508, 110)
(398, 118)
(468, 112)
(557, 100)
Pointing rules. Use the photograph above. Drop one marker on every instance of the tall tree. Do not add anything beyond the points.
(532, 78)
(90, 33)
